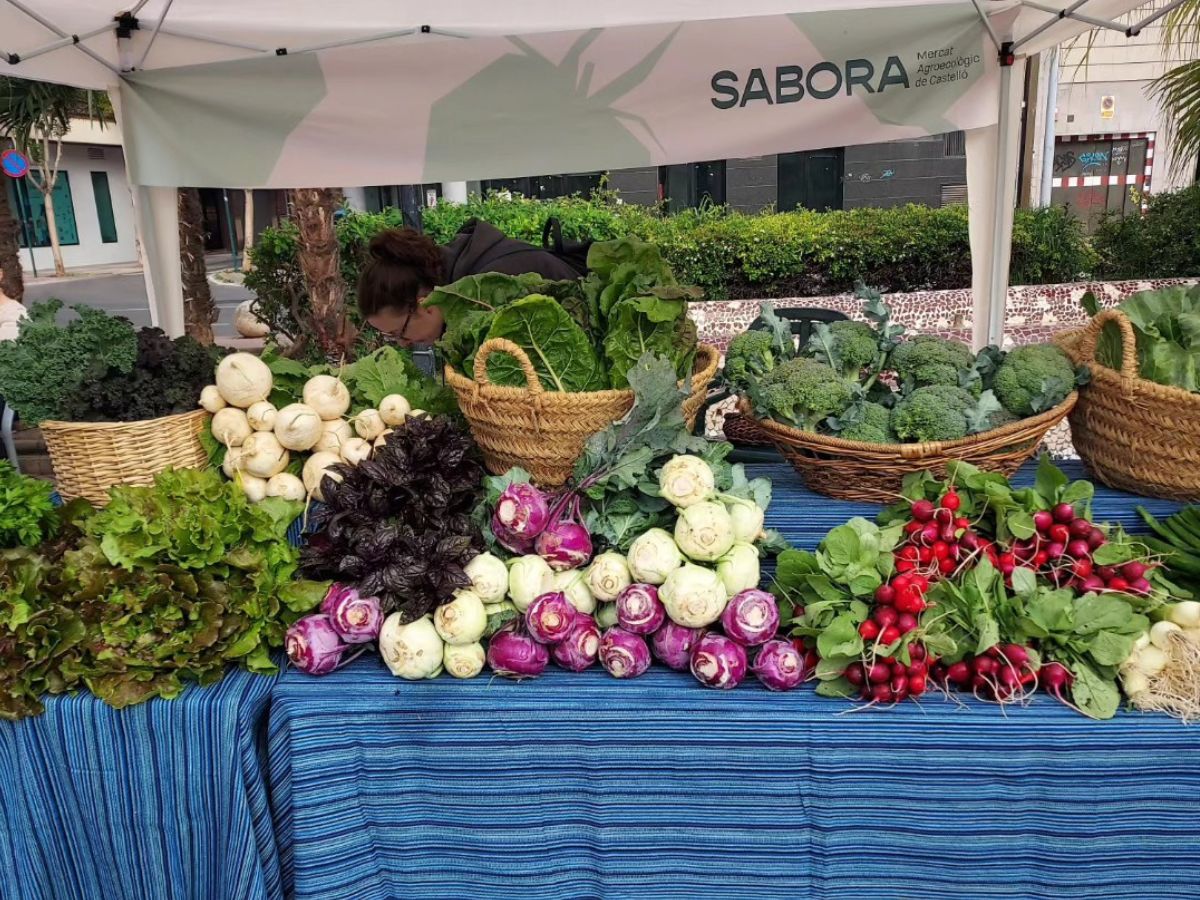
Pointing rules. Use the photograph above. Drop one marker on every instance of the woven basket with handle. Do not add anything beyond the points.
(91, 457)
(1133, 434)
(853, 470)
(544, 431)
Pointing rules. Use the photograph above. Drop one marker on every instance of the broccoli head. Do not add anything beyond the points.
(928, 359)
(1034, 378)
(802, 392)
(848, 347)
(751, 355)
(869, 423)
(933, 413)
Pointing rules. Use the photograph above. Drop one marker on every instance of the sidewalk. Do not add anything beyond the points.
(75, 274)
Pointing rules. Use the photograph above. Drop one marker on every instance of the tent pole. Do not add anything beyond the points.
(1049, 135)
(1002, 209)
(154, 36)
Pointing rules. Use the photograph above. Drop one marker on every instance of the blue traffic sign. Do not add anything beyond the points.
(14, 164)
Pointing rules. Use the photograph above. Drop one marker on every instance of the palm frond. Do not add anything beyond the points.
(1178, 95)
(27, 107)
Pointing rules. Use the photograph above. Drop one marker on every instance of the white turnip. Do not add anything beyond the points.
(243, 379)
(355, 451)
(285, 485)
(211, 399)
(263, 455)
(230, 427)
(254, 488)
(369, 424)
(298, 426)
(393, 408)
(261, 415)
(334, 434)
(316, 468)
(327, 395)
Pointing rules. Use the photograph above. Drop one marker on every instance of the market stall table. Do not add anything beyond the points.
(583, 786)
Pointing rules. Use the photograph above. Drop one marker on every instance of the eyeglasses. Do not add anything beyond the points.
(398, 334)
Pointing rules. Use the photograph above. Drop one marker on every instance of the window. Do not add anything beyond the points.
(27, 201)
(104, 207)
(956, 143)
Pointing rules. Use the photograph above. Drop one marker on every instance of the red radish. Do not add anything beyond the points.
(944, 517)
(1118, 584)
(919, 582)
(1079, 549)
(916, 667)
(1040, 559)
(970, 541)
(948, 534)
(885, 616)
(878, 673)
(1055, 550)
(916, 685)
(1008, 677)
(916, 652)
(1096, 538)
(930, 533)
(868, 630)
(900, 582)
(898, 683)
(1082, 568)
(984, 665)
(1015, 654)
(959, 672)
(1139, 586)
(1042, 520)
(855, 674)
(881, 693)
(811, 660)
(946, 566)
(908, 552)
(1106, 572)
(1133, 570)
(1060, 534)
(941, 550)
(1081, 528)
(889, 635)
(1092, 583)
(950, 501)
(1056, 678)
(925, 556)
(1064, 513)
(885, 594)
(922, 510)
(912, 528)
(905, 565)
(906, 623)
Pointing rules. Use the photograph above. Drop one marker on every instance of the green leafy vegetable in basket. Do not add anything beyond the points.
(584, 335)
(27, 512)
(1166, 325)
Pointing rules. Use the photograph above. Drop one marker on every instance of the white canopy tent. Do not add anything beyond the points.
(293, 93)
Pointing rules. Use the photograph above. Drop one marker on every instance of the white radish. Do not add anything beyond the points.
(261, 415)
(393, 408)
(263, 455)
(231, 464)
(381, 441)
(369, 424)
(1150, 661)
(298, 426)
(1142, 642)
(243, 379)
(285, 485)
(1161, 632)
(416, 413)
(334, 434)
(327, 395)
(1186, 613)
(1134, 682)
(355, 451)
(211, 399)
(315, 470)
(229, 426)
(254, 488)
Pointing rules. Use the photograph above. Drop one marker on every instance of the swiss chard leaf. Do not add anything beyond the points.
(561, 353)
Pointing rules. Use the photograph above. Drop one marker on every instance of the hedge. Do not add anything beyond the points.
(1164, 242)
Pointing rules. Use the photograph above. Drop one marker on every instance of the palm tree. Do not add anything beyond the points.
(36, 117)
(320, 264)
(12, 285)
(199, 310)
(1178, 90)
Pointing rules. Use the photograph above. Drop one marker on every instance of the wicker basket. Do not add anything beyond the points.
(853, 470)
(91, 457)
(1133, 434)
(544, 431)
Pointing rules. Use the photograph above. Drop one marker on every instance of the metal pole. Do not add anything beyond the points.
(26, 231)
(1048, 136)
(232, 231)
(1001, 216)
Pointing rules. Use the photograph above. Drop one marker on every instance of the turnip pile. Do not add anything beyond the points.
(1162, 674)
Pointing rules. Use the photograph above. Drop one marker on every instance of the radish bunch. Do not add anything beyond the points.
(888, 679)
(938, 541)
(1005, 673)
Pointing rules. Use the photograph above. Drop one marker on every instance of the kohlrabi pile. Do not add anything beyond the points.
(973, 585)
(279, 426)
(860, 381)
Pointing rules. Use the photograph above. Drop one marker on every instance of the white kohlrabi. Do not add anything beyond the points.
(464, 660)
(608, 575)
(573, 583)
(738, 569)
(747, 518)
(462, 620)
(686, 480)
(653, 555)
(704, 531)
(528, 578)
(693, 596)
(412, 651)
(606, 615)
(489, 577)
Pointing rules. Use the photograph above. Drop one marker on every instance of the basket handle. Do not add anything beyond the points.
(1091, 335)
(504, 345)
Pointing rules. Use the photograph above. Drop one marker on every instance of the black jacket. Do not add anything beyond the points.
(479, 247)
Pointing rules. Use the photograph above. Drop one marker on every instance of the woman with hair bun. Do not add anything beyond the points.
(405, 266)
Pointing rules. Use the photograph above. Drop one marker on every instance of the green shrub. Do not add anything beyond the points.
(728, 254)
(1164, 242)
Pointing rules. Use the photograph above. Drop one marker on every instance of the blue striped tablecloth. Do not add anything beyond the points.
(163, 801)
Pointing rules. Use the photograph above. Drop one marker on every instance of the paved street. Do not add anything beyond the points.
(125, 295)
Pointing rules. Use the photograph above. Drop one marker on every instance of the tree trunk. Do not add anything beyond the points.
(248, 232)
(52, 226)
(313, 209)
(12, 284)
(199, 310)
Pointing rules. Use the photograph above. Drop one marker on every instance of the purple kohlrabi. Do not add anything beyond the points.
(356, 618)
(623, 653)
(719, 662)
(549, 617)
(673, 644)
(565, 543)
(579, 648)
(521, 513)
(779, 666)
(514, 653)
(314, 646)
(751, 617)
(639, 610)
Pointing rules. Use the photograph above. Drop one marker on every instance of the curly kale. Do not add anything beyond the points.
(848, 347)
(866, 422)
(933, 413)
(167, 377)
(42, 371)
(802, 392)
(1033, 379)
(931, 360)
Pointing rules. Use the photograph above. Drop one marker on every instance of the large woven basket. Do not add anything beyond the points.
(1133, 434)
(91, 457)
(853, 470)
(544, 431)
